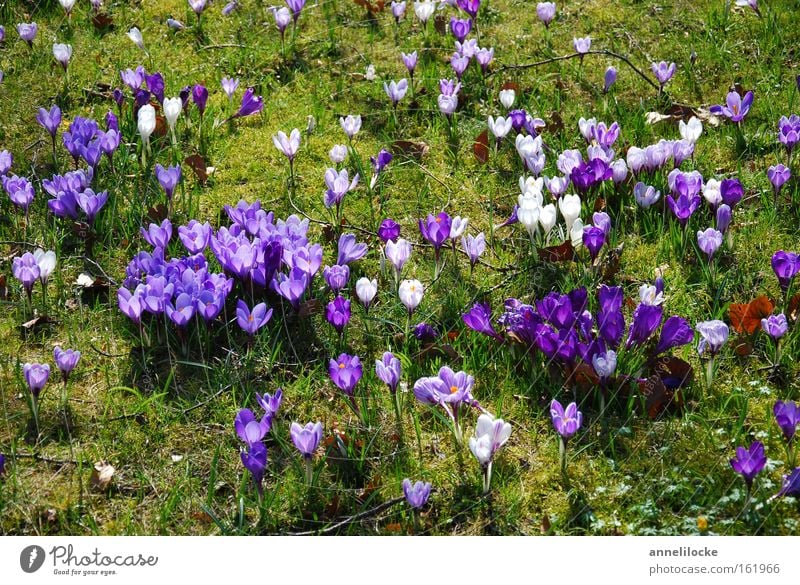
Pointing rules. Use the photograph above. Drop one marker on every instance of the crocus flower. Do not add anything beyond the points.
(146, 123)
(398, 252)
(345, 372)
(19, 190)
(713, 335)
(27, 32)
(778, 175)
(338, 313)
(351, 125)
(736, 107)
(175, 24)
(36, 376)
(791, 484)
(252, 321)
(787, 415)
(675, 332)
(604, 364)
(582, 44)
(479, 318)
(460, 28)
(436, 229)
(288, 145)
(775, 326)
(593, 239)
(663, 71)
(349, 250)
(198, 6)
(398, 10)
(646, 319)
(168, 178)
(66, 360)
(172, 108)
(254, 460)
(229, 8)
(296, 6)
(410, 293)
(306, 439)
(3, 466)
(130, 304)
(62, 54)
(752, 4)
(270, 403)
(366, 290)
(336, 276)
(135, 35)
(789, 131)
(339, 185)
(546, 11)
(156, 235)
(610, 78)
(292, 287)
(389, 230)
(229, 86)
(785, 265)
(424, 10)
(416, 494)
(396, 90)
(282, 19)
(749, 462)
(67, 5)
(249, 428)
(6, 161)
(474, 247)
(709, 241)
(195, 236)
(379, 163)
(731, 191)
(490, 435)
(388, 370)
(690, 130)
(566, 422)
(723, 218)
(484, 57)
(46, 261)
(251, 104)
(425, 332)
(338, 153)
(410, 61)
(26, 270)
(200, 97)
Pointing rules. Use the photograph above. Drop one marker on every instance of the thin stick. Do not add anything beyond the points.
(351, 519)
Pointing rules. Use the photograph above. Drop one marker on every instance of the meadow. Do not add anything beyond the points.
(467, 268)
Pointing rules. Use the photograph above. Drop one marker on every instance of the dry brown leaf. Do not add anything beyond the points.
(102, 475)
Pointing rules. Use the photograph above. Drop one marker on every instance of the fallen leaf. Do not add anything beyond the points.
(481, 147)
(311, 307)
(746, 318)
(674, 372)
(102, 21)
(38, 322)
(198, 164)
(561, 253)
(157, 213)
(511, 85)
(3, 288)
(440, 24)
(411, 148)
(102, 475)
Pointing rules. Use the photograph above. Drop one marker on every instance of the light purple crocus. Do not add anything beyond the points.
(26, 270)
(251, 321)
(27, 32)
(410, 61)
(195, 236)
(663, 71)
(168, 178)
(565, 421)
(66, 360)
(787, 415)
(350, 250)
(345, 372)
(775, 326)
(713, 335)
(337, 313)
(582, 45)
(416, 494)
(36, 376)
(336, 276)
(157, 235)
(546, 11)
(19, 190)
(51, 120)
(749, 462)
(306, 439)
(609, 79)
(785, 265)
(388, 370)
(251, 104)
(778, 175)
(709, 241)
(229, 85)
(435, 229)
(474, 247)
(396, 91)
(736, 107)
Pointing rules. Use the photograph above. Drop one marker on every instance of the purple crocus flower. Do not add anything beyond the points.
(195, 236)
(338, 313)
(582, 45)
(425, 332)
(683, 207)
(292, 287)
(51, 120)
(26, 270)
(593, 239)
(27, 32)
(20, 191)
(566, 421)
(133, 78)
(249, 428)
(709, 241)
(252, 321)
(713, 335)
(789, 131)
(775, 326)
(155, 85)
(91, 203)
(6, 160)
(646, 319)
(306, 438)
(474, 247)
(66, 360)
(778, 175)
(732, 191)
(270, 403)
(254, 460)
(471, 7)
(675, 332)
(459, 63)
(609, 79)
(2, 464)
(349, 250)
(336, 276)
(416, 494)
(723, 218)
(736, 107)
(200, 97)
(345, 372)
(484, 57)
(389, 230)
(663, 72)
(460, 27)
(791, 481)
(182, 311)
(168, 178)
(381, 161)
(410, 61)
(251, 104)
(130, 304)
(296, 6)
(156, 235)
(388, 370)
(787, 415)
(398, 10)
(479, 318)
(546, 11)
(339, 185)
(229, 85)
(785, 265)
(435, 229)
(749, 462)
(36, 376)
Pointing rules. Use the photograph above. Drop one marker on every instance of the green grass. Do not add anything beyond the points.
(164, 421)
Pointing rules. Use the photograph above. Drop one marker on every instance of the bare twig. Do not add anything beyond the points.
(49, 459)
(103, 273)
(605, 52)
(207, 401)
(223, 46)
(351, 519)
